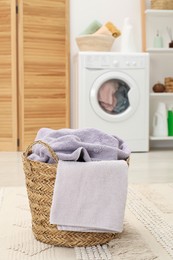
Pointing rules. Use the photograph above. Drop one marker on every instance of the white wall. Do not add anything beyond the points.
(83, 12)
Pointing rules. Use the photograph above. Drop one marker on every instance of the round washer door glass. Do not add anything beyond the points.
(114, 96)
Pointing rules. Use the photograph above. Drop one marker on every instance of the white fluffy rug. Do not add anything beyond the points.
(148, 229)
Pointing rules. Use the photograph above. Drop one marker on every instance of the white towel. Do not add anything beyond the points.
(90, 196)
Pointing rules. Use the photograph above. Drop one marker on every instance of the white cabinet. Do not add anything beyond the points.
(161, 63)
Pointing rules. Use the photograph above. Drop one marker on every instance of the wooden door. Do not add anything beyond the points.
(43, 49)
(8, 93)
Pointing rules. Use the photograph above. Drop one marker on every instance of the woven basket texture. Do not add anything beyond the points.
(162, 4)
(40, 179)
(169, 88)
(95, 42)
(169, 84)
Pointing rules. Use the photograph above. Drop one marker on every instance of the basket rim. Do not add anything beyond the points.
(95, 36)
(28, 150)
(37, 162)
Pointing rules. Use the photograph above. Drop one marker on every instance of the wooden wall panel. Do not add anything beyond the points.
(8, 104)
(43, 67)
(143, 26)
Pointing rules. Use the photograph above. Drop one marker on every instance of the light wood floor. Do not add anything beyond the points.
(154, 166)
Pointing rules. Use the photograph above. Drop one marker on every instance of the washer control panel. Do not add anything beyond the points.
(121, 61)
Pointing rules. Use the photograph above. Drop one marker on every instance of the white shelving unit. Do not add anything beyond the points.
(158, 21)
(161, 50)
(161, 95)
(166, 138)
(159, 13)
(161, 65)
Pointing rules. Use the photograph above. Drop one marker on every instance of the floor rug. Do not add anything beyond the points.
(147, 235)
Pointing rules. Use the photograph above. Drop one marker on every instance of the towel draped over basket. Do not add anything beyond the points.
(41, 166)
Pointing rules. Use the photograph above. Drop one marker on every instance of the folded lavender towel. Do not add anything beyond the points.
(87, 144)
(90, 196)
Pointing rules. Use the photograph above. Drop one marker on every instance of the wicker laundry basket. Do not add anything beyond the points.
(40, 179)
(162, 4)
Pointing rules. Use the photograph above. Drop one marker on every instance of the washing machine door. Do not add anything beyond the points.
(114, 96)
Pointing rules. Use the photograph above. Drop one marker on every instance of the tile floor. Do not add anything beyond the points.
(154, 166)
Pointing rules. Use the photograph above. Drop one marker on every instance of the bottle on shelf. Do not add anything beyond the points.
(170, 121)
(158, 40)
(169, 30)
(160, 125)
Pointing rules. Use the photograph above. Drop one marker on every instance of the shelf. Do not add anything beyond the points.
(160, 50)
(160, 138)
(155, 12)
(162, 94)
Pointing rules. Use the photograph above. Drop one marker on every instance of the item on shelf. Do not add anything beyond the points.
(169, 30)
(171, 44)
(162, 4)
(159, 87)
(158, 40)
(169, 84)
(170, 122)
(160, 126)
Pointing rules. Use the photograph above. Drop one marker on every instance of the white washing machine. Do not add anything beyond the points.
(112, 94)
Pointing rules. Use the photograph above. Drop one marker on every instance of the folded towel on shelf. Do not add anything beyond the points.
(114, 30)
(88, 144)
(90, 196)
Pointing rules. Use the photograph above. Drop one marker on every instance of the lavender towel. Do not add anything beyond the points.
(90, 196)
(87, 144)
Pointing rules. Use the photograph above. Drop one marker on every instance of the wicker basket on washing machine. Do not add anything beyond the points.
(95, 42)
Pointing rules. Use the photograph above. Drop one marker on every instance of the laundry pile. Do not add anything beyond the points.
(113, 96)
(98, 37)
(91, 180)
